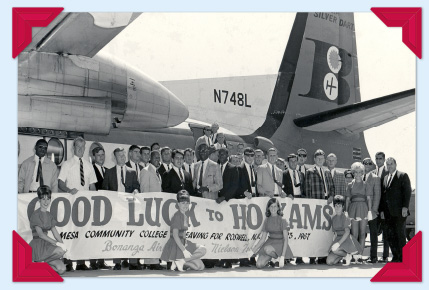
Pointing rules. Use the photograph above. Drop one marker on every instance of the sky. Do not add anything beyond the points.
(180, 46)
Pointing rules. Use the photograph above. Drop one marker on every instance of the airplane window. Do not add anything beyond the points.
(55, 151)
(94, 145)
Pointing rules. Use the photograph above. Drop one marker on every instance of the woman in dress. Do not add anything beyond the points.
(344, 243)
(46, 249)
(358, 203)
(182, 253)
(221, 142)
(276, 246)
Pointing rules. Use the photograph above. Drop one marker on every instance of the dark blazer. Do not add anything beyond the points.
(288, 183)
(245, 182)
(110, 181)
(171, 182)
(231, 182)
(99, 183)
(397, 195)
(162, 169)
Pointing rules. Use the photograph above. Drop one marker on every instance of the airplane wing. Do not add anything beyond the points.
(358, 117)
(79, 33)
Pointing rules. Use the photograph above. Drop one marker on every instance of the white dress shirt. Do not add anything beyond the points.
(121, 187)
(70, 173)
(296, 189)
(199, 171)
(250, 173)
(380, 171)
(322, 173)
(100, 169)
(35, 185)
(276, 190)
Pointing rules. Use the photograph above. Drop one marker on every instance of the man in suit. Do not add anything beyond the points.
(144, 156)
(337, 176)
(247, 174)
(38, 170)
(381, 171)
(294, 185)
(374, 186)
(293, 180)
(214, 129)
(99, 158)
(188, 165)
(150, 179)
(302, 158)
(319, 185)
(122, 179)
(207, 175)
(177, 179)
(270, 178)
(395, 200)
(230, 177)
(134, 159)
(205, 139)
(166, 161)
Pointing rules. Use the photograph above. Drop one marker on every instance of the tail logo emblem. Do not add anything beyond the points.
(330, 82)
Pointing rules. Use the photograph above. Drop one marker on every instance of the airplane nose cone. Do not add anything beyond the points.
(178, 111)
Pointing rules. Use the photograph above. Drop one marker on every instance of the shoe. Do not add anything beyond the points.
(69, 268)
(180, 263)
(276, 265)
(252, 261)
(271, 264)
(103, 266)
(383, 260)
(117, 266)
(125, 264)
(299, 261)
(353, 260)
(245, 264)
(156, 267)
(321, 261)
(93, 266)
(82, 267)
(372, 261)
(227, 265)
(359, 260)
(313, 261)
(169, 265)
(220, 263)
(172, 266)
(347, 260)
(135, 267)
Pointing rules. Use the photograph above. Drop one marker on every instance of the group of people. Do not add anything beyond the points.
(360, 195)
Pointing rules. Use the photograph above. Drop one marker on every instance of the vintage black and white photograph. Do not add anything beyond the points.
(216, 144)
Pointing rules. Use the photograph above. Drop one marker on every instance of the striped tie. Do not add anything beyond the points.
(82, 175)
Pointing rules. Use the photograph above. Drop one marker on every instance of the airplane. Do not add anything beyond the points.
(67, 89)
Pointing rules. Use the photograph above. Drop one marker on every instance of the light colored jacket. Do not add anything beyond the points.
(149, 181)
(265, 180)
(26, 172)
(212, 178)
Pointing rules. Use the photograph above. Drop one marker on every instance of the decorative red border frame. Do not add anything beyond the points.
(410, 19)
(24, 270)
(23, 19)
(410, 270)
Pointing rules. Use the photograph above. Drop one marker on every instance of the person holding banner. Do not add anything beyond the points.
(344, 243)
(180, 251)
(358, 204)
(276, 246)
(46, 249)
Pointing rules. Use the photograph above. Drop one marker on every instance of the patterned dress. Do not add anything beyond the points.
(42, 250)
(171, 251)
(274, 226)
(358, 208)
(350, 245)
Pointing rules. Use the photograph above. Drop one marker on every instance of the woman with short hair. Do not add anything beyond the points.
(46, 249)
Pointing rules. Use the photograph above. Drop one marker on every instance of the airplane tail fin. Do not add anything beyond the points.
(319, 69)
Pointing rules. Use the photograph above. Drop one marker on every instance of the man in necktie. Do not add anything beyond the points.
(38, 170)
(134, 158)
(144, 156)
(248, 179)
(77, 174)
(166, 161)
(294, 185)
(319, 185)
(270, 178)
(121, 178)
(150, 179)
(189, 162)
(337, 176)
(302, 158)
(177, 179)
(394, 204)
(259, 158)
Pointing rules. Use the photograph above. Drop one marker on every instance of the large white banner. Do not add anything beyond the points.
(106, 224)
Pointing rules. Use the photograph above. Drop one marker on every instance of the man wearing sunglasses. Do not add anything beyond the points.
(38, 170)
(302, 158)
(247, 173)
